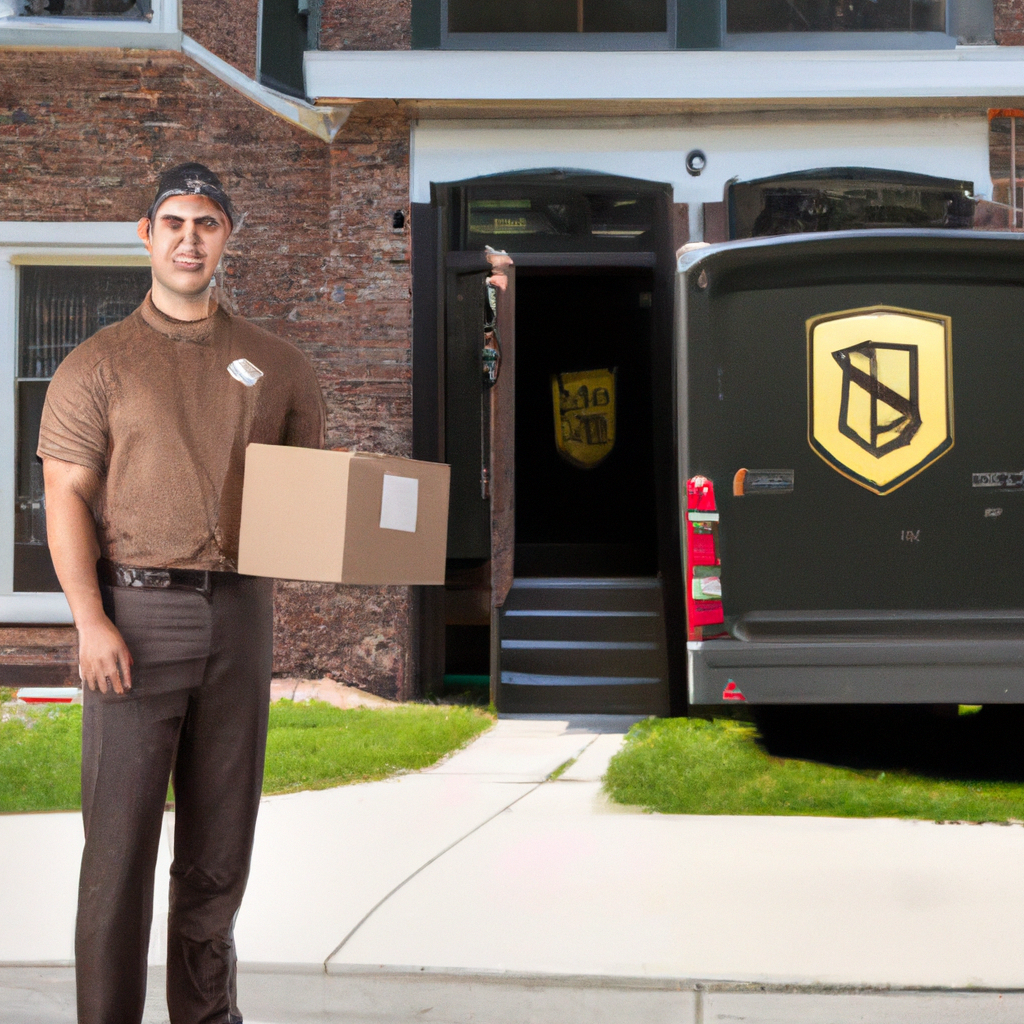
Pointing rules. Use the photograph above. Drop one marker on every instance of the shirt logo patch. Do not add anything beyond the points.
(244, 371)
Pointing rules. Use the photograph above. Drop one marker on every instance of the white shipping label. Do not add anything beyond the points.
(399, 502)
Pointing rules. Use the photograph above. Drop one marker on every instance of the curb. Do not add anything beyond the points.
(391, 994)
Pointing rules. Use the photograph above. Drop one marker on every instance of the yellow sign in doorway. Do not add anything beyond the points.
(584, 405)
(880, 393)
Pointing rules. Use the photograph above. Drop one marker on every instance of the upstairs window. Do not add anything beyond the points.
(90, 23)
(699, 24)
(138, 9)
(558, 16)
(749, 16)
(559, 24)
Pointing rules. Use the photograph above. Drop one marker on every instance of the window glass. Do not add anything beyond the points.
(284, 37)
(558, 16)
(85, 8)
(556, 220)
(844, 199)
(58, 308)
(836, 15)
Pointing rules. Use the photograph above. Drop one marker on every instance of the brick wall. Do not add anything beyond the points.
(83, 136)
(1009, 21)
(228, 30)
(358, 25)
(364, 297)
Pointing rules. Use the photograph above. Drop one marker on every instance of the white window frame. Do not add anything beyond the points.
(101, 244)
(561, 40)
(163, 31)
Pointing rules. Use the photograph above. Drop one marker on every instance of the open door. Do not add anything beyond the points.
(480, 447)
(499, 363)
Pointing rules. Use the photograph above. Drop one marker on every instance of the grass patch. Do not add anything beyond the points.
(562, 769)
(964, 768)
(314, 745)
(40, 759)
(309, 746)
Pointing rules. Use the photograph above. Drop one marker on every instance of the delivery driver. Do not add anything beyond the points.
(143, 443)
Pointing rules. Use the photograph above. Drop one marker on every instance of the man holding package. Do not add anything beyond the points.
(143, 442)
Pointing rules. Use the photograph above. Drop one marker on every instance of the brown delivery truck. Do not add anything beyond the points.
(850, 413)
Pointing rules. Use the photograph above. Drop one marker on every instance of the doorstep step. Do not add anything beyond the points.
(545, 624)
(583, 645)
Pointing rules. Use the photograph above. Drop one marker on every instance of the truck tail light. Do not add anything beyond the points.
(703, 564)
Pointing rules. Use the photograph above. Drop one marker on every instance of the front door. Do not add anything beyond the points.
(554, 584)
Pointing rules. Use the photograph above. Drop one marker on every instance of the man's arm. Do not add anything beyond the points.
(103, 656)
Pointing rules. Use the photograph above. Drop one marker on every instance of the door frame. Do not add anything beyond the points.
(435, 256)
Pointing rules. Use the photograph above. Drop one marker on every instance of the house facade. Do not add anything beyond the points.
(375, 150)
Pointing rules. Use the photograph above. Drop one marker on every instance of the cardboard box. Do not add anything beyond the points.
(342, 517)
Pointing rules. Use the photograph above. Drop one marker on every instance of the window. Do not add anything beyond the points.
(559, 24)
(555, 219)
(835, 16)
(847, 199)
(58, 308)
(83, 8)
(131, 23)
(851, 24)
(59, 282)
(699, 24)
(558, 16)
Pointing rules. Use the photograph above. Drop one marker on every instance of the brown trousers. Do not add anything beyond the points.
(197, 710)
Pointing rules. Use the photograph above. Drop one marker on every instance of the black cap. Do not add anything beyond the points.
(192, 180)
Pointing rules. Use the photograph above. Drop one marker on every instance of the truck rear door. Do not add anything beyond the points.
(870, 384)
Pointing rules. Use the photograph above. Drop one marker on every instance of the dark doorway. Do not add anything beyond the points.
(574, 518)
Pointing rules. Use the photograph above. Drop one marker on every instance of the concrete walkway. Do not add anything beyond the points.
(480, 890)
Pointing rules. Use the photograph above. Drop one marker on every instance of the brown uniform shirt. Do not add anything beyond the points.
(151, 406)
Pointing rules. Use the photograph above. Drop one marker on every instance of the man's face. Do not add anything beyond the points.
(185, 242)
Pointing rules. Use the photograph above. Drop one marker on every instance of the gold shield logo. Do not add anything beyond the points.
(880, 393)
(584, 406)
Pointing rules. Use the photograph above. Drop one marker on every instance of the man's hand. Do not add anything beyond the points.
(103, 658)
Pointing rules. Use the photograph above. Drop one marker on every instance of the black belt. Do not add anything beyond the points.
(199, 580)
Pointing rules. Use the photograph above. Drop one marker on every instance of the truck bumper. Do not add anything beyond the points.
(893, 672)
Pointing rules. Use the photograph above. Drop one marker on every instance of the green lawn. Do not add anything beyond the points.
(40, 759)
(314, 745)
(722, 766)
(310, 746)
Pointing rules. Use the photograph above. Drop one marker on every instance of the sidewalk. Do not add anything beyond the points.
(479, 891)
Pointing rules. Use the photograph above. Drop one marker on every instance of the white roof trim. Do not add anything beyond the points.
(982, 71)
(62, 234)
(324, 122)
